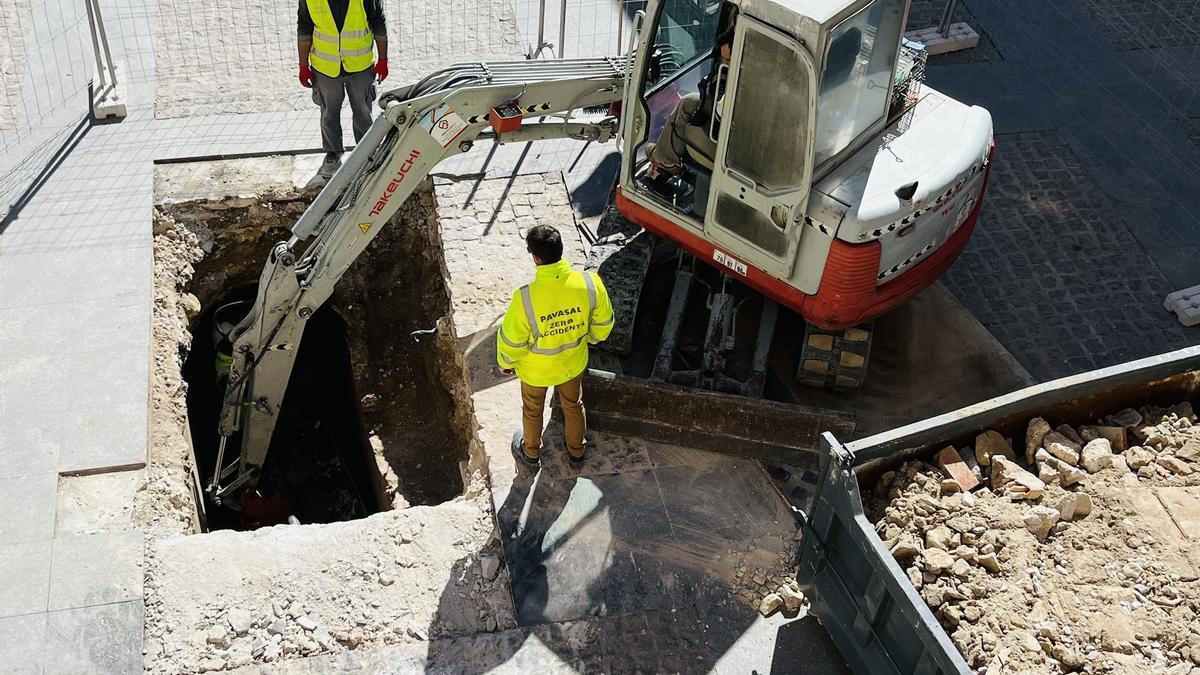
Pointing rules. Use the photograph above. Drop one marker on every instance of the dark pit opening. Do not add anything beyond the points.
(393, 412)
(319, 465)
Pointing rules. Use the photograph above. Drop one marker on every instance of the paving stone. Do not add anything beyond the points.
(27, 508)
(71, 276)
(1133, 24)
(100, 639)
(22, 643)
(26, 577)
(106, 423)
(1051, 245)
(96, 569)
(31, 392)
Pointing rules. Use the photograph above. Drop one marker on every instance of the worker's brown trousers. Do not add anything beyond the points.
(533, 403)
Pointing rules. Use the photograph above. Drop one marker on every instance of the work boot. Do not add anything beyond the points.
(518, 448)
(330, 166)
(577, 460)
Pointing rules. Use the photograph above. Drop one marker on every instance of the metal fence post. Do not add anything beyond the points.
(105, 102)
(947, 18)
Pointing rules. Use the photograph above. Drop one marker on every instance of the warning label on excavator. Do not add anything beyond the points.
(443, 124)
(729, 261)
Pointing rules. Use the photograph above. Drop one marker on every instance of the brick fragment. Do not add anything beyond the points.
(952, 463)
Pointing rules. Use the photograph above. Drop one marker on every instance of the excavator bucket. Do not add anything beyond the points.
(774, 432)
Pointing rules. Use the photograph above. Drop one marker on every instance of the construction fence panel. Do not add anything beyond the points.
(245, 58)
(46, 70)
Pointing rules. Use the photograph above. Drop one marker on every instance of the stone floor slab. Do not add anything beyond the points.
(75, 275)
(30, 415)
(96, 569)
(26, 578)
(106, 425)
(100, 639)
(22, 644)
(27, 508)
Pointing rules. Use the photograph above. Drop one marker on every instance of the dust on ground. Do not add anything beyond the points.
(1088, 566)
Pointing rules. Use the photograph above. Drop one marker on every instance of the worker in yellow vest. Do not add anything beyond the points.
(335, 41)
(544, 340)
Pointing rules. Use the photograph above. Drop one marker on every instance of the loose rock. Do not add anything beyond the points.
(1173, 464)
(1096, 455)
(938, 561)
(1034, 435)
(1017, 482)
(989, 444)
(489, 566)
(770, 604)
(1039, 520)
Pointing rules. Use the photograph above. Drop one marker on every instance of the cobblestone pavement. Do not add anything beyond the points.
(1146, 24)
(1048, 271)
(1090, 218)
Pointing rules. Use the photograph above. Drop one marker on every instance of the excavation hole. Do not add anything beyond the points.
(319, 468)
(373, 419)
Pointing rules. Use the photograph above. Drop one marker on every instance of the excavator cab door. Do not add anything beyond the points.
(764, 161)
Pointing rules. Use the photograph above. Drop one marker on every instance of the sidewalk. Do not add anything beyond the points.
(75, 303)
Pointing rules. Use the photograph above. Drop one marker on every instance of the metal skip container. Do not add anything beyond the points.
(865, 601)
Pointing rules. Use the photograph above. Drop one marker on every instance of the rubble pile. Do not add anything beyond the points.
(1074, 556)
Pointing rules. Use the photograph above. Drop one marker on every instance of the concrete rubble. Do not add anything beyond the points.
(1082, 556)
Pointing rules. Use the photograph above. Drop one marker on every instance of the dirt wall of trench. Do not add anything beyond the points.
(413, 396)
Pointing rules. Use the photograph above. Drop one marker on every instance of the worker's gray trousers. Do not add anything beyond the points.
(329, 92)
(679, 138)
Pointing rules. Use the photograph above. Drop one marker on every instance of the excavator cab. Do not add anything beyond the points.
(826, 148)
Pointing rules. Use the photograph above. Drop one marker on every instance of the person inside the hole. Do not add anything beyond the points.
(686, 133)
(544, 340)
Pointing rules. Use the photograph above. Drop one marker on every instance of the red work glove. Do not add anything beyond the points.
(305, 75)
(381, 70)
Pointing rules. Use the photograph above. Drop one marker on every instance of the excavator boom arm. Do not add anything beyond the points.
(421, 125)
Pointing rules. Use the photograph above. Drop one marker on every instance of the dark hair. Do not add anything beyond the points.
(725, 38)
(544, 242)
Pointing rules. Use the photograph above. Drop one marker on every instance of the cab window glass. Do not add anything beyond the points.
(685, 34)
(856, 84)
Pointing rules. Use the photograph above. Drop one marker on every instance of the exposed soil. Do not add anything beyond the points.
(222, 600)
(418, 432)
(1090, 567)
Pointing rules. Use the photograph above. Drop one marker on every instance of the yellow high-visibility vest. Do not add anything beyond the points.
(334, 51)
(550, 323)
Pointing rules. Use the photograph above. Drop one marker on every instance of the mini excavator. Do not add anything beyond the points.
(837, 186)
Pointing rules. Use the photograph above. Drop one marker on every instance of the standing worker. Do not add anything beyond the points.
(334, 39)
(544, 339)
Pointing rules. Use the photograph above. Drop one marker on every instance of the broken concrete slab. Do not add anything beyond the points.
(1183, 503)
(97, 503)
(96, 569)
